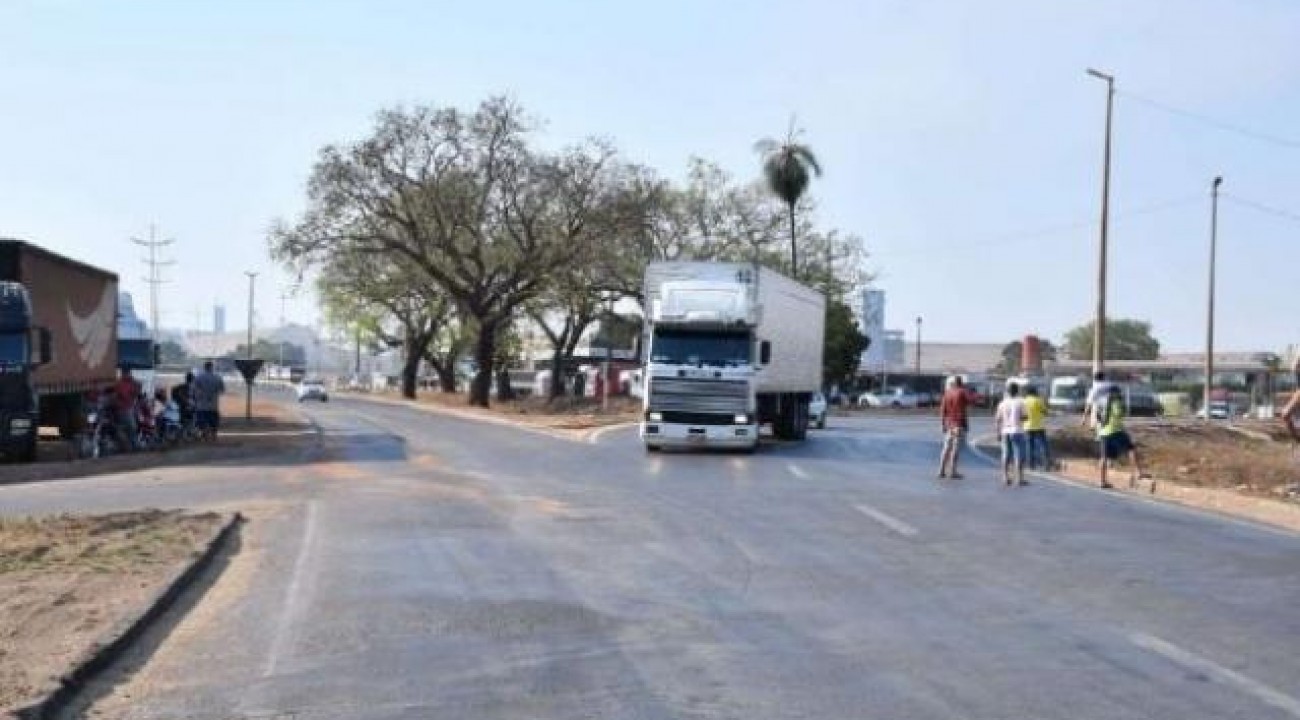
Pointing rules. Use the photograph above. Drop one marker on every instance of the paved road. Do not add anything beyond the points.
(426, 567)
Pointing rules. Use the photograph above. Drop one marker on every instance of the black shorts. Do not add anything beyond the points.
(1116, 445)
(208, 419)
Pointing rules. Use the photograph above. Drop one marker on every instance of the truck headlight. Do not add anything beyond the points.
(741, 419)
(656, 417)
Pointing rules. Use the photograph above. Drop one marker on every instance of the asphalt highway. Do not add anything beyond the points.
(420, 566)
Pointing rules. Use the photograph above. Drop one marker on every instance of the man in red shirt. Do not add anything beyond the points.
(952, 415)
(126, 392)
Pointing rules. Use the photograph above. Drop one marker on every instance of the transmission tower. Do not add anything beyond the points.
(154, 279)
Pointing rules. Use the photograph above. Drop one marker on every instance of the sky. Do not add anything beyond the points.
(962, 141)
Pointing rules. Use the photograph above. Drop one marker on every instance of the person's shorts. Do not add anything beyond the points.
(1115, 445)
(207, 419)
(1015, 447)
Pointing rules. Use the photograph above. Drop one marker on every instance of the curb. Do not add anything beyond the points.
(119, 642)
(577, 436)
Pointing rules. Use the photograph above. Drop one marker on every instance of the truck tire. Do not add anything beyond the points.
(652, 448)
(28, 452)
(801, 420)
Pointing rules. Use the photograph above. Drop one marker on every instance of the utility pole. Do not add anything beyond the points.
(1209, 315)
(284, 296)
(154, 279)
(1099, 328)
(248, 383)
(918, 349)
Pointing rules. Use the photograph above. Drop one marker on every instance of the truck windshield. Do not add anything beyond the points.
(682, 347)
(135, 354)
(13, 348)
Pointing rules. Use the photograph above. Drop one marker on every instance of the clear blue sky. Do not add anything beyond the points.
(950, 131)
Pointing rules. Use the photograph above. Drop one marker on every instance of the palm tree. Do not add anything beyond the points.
(787, 168)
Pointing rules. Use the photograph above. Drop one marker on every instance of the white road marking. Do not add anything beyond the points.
(888, 521)
(594, 436)
(1227, 676)
(797, 471)
(293, 597)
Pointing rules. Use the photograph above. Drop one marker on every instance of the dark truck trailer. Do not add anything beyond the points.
(58, 341)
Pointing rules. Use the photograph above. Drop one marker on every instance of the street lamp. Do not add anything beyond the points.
(251, 277)
(1099, 328)
(918, 349)
(1209, 315)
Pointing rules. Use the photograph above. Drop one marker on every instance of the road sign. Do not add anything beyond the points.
(249, 368)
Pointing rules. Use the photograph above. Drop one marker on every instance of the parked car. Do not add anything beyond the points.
(817, 411)
(1219, 410)
(312, 390)
(890, 398)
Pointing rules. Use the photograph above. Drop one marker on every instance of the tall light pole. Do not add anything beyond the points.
(1209, 314)
(1099, 327)
(248, 382)
(918, 349)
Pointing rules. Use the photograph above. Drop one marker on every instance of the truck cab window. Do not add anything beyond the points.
(717, 349)
(13, 349)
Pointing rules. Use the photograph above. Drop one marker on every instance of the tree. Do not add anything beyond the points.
(462, 199)
(788, 167)
(393, 305)
(1125, 340)
(271, 352)
(173, 353)
(1013, 351)
(843, 346)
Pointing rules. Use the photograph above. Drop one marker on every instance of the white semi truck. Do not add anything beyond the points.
(728, 347)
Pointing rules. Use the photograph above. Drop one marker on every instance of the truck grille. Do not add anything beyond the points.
(722, 397)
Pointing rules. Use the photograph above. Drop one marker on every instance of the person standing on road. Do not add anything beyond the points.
(208, 387)
(1115, 441)
(1036, 430)
(1096, 400)
(1011, 428)
(955, 423)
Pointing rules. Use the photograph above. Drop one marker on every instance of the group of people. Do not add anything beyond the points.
(1021, 424)
(127, 407)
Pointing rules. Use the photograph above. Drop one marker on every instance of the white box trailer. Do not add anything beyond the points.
(728, 347)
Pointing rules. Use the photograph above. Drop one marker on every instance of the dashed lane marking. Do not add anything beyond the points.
(888, 521)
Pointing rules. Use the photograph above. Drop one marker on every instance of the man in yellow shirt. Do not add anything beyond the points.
(1036, 428)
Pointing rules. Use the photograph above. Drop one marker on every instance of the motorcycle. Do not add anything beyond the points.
(170, 428)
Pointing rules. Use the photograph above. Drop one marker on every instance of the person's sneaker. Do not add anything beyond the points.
(1024, 483)
(957, 476)
(943, 475)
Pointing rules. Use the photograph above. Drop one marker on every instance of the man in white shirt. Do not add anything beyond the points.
(1010, 419)
(1096, 399)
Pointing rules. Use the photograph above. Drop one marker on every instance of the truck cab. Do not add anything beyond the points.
(727, 347)
(22, 348)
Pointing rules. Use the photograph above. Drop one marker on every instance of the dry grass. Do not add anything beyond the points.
(66, 581)
(566, 413)
(1197, 454)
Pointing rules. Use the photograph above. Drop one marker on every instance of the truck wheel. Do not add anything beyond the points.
(800, 420)
(28, 453)
(652, 448)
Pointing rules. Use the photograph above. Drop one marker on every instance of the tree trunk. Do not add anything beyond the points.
(485, 350)
(410, 374)
(505, 392)
(446, 376)
(794, 252)
(557, 372)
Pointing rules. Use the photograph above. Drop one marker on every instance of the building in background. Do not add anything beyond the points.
(218, 319)
(870, 315)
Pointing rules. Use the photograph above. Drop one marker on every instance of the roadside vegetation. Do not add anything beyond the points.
(66, 582)
(452, 233)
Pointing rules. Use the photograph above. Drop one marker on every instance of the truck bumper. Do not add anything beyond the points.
(676, 435)
(18, 432)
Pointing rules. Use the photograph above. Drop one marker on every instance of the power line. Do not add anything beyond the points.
(1261, 207)
(1050, 230)
(1212, 122)
(155, 279)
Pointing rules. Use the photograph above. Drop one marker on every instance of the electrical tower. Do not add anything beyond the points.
(156, 264)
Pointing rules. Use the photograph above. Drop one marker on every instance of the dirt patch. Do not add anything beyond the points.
(567, 413)
(68, 582)
(1248, 459)
(274, 427)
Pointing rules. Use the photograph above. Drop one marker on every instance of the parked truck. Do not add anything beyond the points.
(58, 340)
(728, 347)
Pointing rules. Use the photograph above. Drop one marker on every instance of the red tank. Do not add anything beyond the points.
(1031, 356)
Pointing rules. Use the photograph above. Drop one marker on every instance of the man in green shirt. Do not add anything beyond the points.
(1115, 441)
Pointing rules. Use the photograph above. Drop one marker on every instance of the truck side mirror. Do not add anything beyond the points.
(765, 352)
(43, 354)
